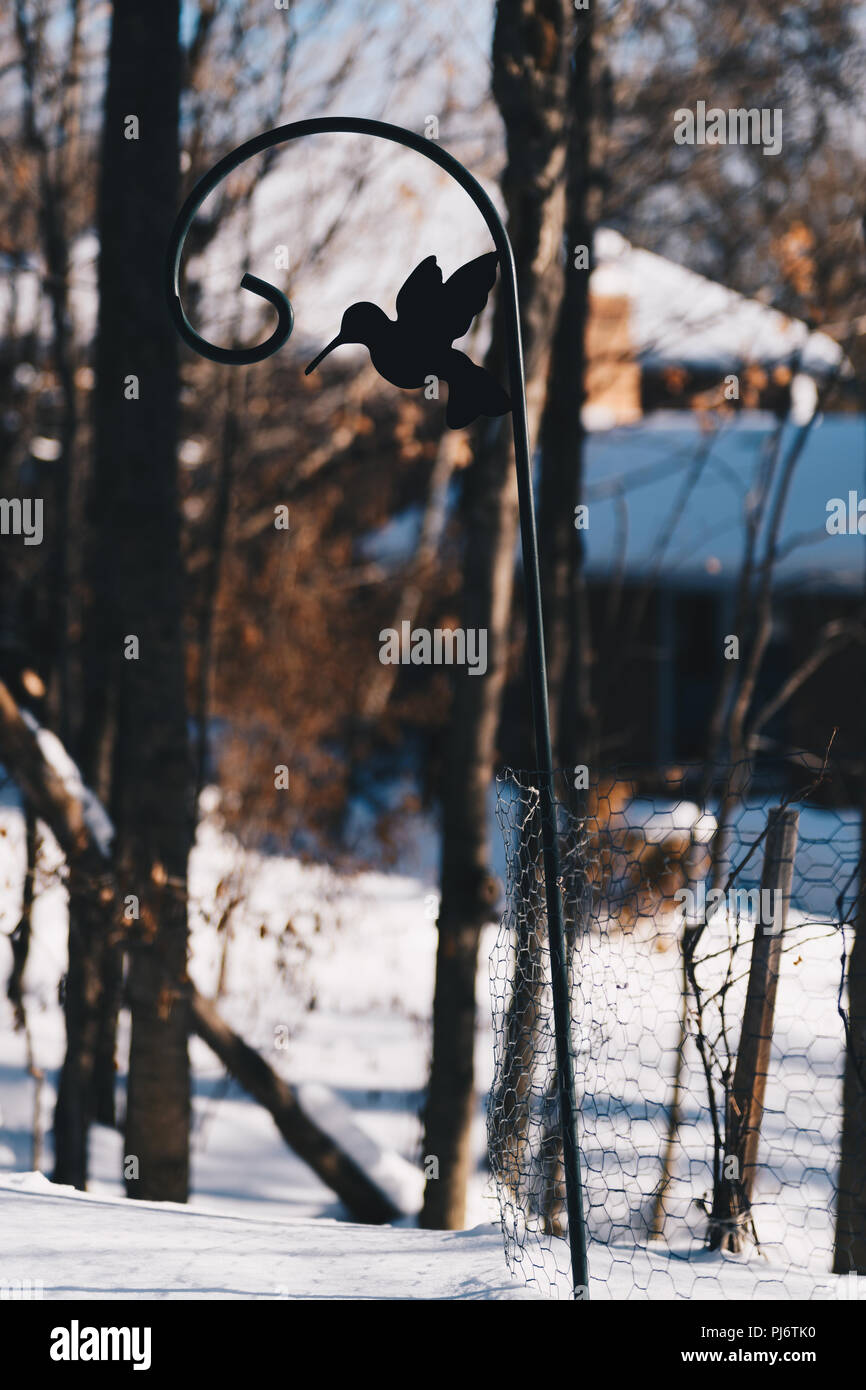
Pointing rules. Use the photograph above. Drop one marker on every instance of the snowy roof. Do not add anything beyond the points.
(680, 316)
(639, 476)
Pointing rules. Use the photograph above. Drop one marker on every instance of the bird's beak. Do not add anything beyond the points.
(316, 360)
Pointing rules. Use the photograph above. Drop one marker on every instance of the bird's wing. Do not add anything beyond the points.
(472, 391)
(465, 293)
(420, 293)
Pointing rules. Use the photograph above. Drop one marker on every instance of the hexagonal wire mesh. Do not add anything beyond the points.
(654, 1041)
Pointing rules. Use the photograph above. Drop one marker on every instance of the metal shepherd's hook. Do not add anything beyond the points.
(535, 625)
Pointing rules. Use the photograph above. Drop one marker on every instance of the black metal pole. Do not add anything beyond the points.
(352, 125)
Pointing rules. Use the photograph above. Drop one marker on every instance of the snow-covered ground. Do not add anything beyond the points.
(77, 1245)
(62, 1244)
(331, 977)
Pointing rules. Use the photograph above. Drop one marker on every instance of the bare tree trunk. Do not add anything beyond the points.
(51, 155)
(23, 930)
(513, 1097)
(48, 798)
(566, 608)
(85, 1090)
(531, 50)
(20, 943)
(136, 580)
(744, 1101)
(564, 593)
(90, 929)
(850, 1240)
(105, 1060)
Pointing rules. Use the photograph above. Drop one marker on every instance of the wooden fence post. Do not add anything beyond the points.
(745, 1102)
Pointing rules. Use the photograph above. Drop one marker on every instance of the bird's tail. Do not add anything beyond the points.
(472, 391)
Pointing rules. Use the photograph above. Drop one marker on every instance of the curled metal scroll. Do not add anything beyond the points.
(285, 317)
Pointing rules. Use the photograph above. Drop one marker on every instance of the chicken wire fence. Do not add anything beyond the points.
(661, 896)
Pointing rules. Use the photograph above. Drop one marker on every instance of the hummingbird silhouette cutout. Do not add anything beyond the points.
(430, 315)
